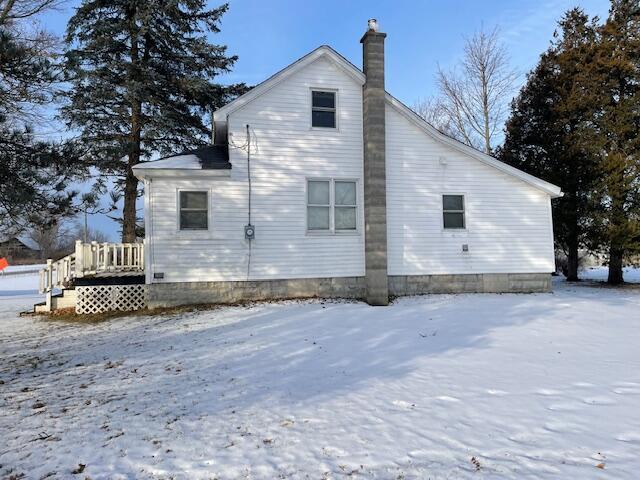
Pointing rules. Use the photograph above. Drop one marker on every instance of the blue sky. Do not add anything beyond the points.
(269, 35)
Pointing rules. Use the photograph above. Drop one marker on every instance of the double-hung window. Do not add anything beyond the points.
(453, 211)
(323, 109)
(194, 211)
(332, 206)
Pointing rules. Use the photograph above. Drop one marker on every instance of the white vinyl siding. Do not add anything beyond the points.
(507, 222)
(285, 152)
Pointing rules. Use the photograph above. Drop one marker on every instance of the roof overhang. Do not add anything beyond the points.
(144, 173)
(205, 162)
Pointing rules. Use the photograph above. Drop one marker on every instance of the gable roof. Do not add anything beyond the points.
(345, 65)
(20, 242)
(323, 51)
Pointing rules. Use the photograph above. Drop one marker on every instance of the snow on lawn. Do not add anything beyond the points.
(20, 280)
(600, 274)
(441, 386)
(18, 285)
(24, 268)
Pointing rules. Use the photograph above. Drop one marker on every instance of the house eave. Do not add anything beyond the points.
(183, 173)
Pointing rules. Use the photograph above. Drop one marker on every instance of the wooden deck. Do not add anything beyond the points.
(93, 261)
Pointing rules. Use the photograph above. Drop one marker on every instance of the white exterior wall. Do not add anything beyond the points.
(285, 152)
(508, 222)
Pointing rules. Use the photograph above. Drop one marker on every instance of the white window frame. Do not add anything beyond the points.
(336, 109)
(193, 231)
(308, 204)
(332, 205)
(463, 211)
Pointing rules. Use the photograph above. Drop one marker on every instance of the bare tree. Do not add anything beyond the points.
(434, 112)
(78, 231)
(475, 95)
(51, 237)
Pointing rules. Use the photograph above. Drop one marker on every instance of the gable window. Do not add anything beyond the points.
(323, 109)
(332, 206)
(453, 211)
(194, 213)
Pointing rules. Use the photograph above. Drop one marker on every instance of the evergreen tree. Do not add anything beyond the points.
(142, 78)
(27, 76)
(547, 133)
(35, 173)
(613, 78)
(36, 176)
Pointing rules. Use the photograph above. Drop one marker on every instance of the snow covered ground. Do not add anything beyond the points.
(599, 274)
(19, 280)
(24, 268)
(441, 386)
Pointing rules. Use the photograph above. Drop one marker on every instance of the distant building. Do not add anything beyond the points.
(15, 249)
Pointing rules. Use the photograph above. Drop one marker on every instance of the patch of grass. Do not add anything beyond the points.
(68, 315)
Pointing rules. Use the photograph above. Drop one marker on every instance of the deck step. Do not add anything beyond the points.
(64, 299)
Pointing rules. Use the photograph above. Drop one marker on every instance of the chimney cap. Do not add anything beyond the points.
(373, 25)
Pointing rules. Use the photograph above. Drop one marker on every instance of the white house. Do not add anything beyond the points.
(320, 183)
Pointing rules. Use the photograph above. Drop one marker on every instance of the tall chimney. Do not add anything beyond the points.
(375, 192)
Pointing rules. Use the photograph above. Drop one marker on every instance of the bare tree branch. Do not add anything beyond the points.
(435, 112)
(474, 96)
(11, 10)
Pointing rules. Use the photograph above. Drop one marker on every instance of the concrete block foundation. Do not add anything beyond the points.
(402, 285)
(194, 293)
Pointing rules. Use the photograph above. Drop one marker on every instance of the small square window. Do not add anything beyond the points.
(318, 218)
(345, 218)
(323, 109)
(194, 212)
(345, 193)
(319, 193)
(453, 211)
(324, 99)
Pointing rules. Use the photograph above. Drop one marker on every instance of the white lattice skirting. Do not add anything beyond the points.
(104, 298)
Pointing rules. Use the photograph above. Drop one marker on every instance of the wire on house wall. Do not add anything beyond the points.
(246, 146)
(249, 172)
(249, 195)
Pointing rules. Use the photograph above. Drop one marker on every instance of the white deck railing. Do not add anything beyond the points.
(91, 259)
